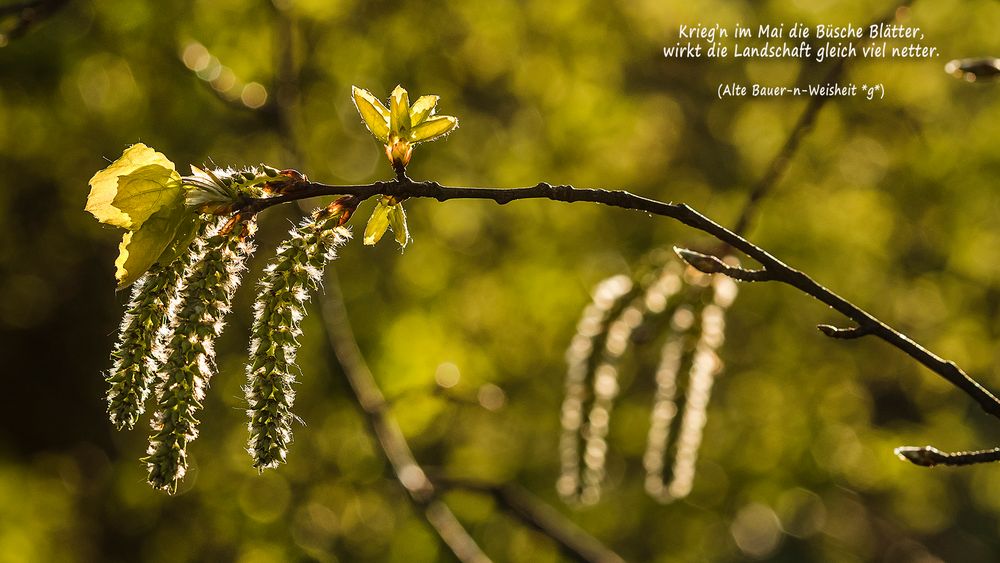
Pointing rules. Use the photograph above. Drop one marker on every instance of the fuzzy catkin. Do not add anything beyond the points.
(280, 306)
(188, 357)
(134, 364)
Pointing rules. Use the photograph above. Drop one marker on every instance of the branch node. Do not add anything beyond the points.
(708, 264)
(927, 456)
(848, 333)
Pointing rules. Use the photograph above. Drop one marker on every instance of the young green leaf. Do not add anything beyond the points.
(433, 128)
(377, 223)
(375, 115)
(422, 109)
(399, 113)
(397, 221)
(145, 191)
(142, 248)
(105, 185)
(402, 125)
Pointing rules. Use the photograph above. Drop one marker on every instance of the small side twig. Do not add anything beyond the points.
(847, 333)
(708, 264)
(929, 456)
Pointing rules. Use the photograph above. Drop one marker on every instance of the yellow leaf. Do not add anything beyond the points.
(377, 223)
(375, 115)
(104, 184)
(422, 109)
(397, 220)
(433, 128)
(146, 190)
(142, 248)
(399, 112)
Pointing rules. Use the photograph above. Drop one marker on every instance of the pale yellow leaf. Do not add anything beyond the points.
(433, 128)
(104, 184)
(422, 109)
(374, 114)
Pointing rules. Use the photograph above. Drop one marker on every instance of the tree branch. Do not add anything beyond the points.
(777, 270)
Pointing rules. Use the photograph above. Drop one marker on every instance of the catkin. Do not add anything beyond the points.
(692, 344)
(280, 306)
(133, 360)
(188, 357)
(604, 334)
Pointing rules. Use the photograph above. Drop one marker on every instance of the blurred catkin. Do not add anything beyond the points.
(188, 357)
(284, 291)
(133, 360)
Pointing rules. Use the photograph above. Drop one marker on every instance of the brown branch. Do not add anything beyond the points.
(522, 505)
(929, 456)
(777, 270)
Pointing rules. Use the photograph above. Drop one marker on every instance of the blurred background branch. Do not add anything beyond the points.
(392, 443)
(18, 18)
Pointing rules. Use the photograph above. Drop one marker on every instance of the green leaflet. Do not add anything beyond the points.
(399, 113)
(104, 185)
(146, 190)
(397, 221)
(375, 115)
(387, 214)
(377, 223)
(142, 248)
(422, 109)
(433, 128)
(186, 232)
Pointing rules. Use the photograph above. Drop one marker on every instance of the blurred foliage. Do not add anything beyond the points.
(890, 203)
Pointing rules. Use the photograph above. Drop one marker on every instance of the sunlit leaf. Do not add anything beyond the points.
(377, 223)
(397, 220)
(399, 112)
(433, 128)
(185, 233)
(375, 115)
(105, 184)
(142, 248)
(146, 190)
(422, 109)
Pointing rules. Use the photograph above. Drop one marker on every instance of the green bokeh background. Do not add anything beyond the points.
(891, 203)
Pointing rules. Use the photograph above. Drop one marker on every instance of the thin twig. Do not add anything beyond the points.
(848, 333)
(778, 270)
(708, 264)
(521, 504)
(929, 456)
